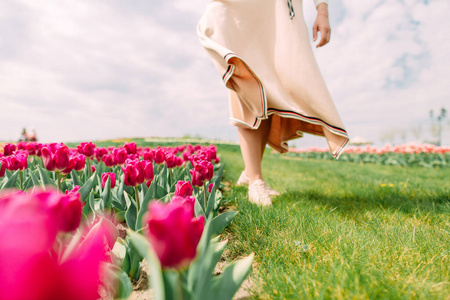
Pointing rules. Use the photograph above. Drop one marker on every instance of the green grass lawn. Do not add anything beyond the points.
(343, 230)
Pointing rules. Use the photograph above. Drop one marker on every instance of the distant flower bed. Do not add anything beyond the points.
(400, 155)
(61, 210)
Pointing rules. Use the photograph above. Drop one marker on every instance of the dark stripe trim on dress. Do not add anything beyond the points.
(310, 119)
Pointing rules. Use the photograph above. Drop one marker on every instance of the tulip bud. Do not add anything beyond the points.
(120, 155)
(55, 156)
(159, 156)
(171, 161)
(174, 233)
(131, 148)
(134, 173)
(80, 162)
(112, 177)
(9, 149)
(183, 189)
(2, 167)
(108, 159)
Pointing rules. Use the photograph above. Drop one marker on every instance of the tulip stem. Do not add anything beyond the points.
(21, 179)
(59, 180)
(205, 193)
(88, 161)
(136, 192)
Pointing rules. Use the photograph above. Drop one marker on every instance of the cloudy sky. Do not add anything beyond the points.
(89, 70)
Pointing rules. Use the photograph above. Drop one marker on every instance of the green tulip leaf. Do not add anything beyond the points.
(87, 187)
(45, 178)
(106, 194)
(219, 223)
(34, 178)
(11, 182)
(211, 201)
(75, 178)
(130, 215)
(147, 198)
(226, 284)
(144, 249)
(125, 287)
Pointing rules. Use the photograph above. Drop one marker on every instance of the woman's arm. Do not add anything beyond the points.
(322, 25)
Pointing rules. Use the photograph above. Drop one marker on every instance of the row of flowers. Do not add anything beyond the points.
(425, 155)
(61, 209)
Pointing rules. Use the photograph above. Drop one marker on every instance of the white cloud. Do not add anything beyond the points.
(105, 69)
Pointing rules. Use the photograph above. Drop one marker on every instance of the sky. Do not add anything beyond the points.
(94, 70)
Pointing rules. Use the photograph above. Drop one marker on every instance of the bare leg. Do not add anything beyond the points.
(253, 143)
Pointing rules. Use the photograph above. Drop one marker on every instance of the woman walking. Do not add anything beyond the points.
(276, 92)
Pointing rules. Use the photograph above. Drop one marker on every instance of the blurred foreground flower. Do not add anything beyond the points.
(174, 232)
(34, 262)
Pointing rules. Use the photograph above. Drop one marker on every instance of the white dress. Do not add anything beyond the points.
(262, 50)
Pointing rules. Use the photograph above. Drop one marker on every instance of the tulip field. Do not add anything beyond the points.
(77, 223)
(108, 220)
(426, 155)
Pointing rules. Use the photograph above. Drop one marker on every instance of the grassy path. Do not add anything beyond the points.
(344, 231)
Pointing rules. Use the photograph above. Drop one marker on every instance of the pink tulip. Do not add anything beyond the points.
(159, 156)
(55, 156)
(210, 187)
(188, 201)
(148, 170)
(16, 161)
(148, 155)
(2, 167)
(171, 160)
(201, 172)
(120, 155)
(32, 148)
(80, 162)
(32, 266)
(75, 189)
(183, 189)
(87, 149)
(131, 148)
(112, 177)
(9, 149)
(99, 153)
(174, 233)
(92, 168)
(134, 172)
(109, 161)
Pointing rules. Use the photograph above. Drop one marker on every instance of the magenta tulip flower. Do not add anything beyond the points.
(120, 155)
(174, 233)
(148, 171)
(183, 189)
(201, 172)
(131, 148)
(99, 153)
(159, 156)
(9, 149)
(87, 149)
(80, 162)
(112, 178)
(134, 172)
(55, 156)
(109, 161)
(34, 265)
(171, 160)
(2, 167)
(16, 161)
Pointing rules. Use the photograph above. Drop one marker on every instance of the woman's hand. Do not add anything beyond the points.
(322, 25)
